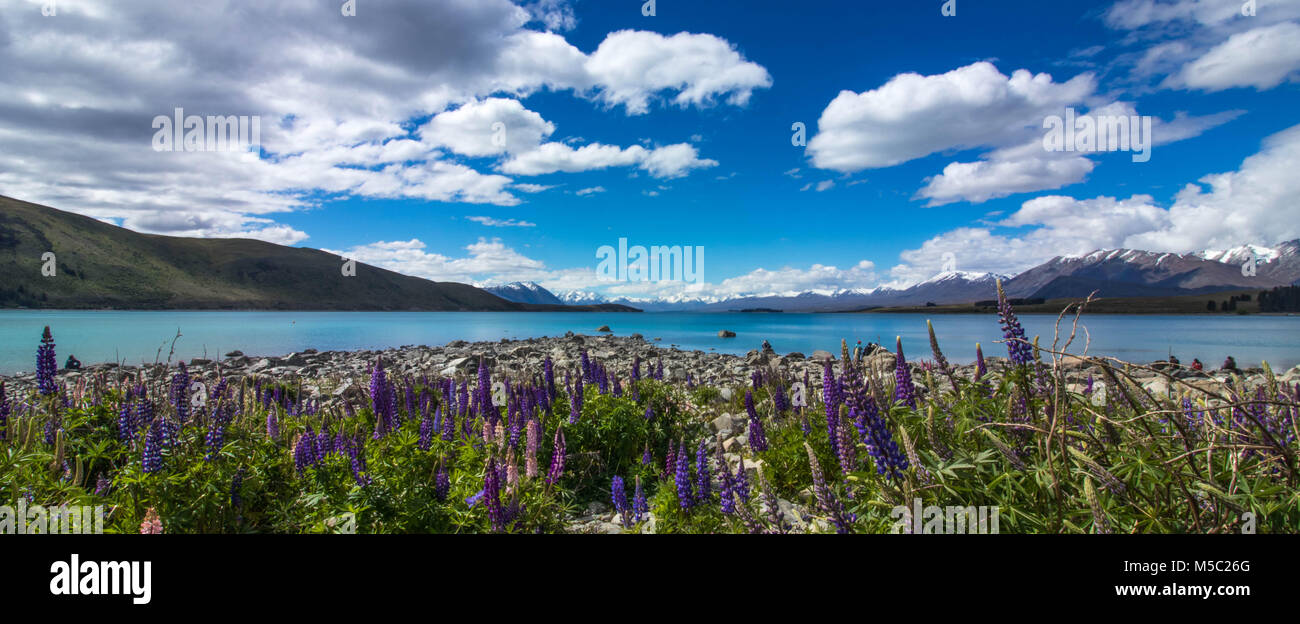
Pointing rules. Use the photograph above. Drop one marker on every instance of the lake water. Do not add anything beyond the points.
(136, 337)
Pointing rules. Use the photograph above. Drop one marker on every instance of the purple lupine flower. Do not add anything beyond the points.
(126, 422)
(640, 507)
(304, 451)
(102, 485)
(904, 391)
(778, 398)
(980, 368)
(703, 476)
(649, 413)
(441, 484)
(492, 493)
(618, 493)
(646, 458)
(357, 455)
(1018, 348)
(179, 393)
(830, 399)
(682, 477)
(586, 364)
(152, 457)
(740, 483)
(659, 370)
(756, 380)
(448, 424)
(575, 401)
(726, 488)
(757, 437)
(548, 370)
(215, 439)
(875, 434)
(636, 368)
(272, 425)
(46, 364)
(426, 431)
(380, 400)
(557, 459)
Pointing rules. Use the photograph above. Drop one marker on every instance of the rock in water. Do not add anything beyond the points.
(726, 333)
(603, 328)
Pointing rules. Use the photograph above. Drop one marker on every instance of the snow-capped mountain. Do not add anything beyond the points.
(1137, 273)
(1111, 272)
(578, 297)
(1240, 254)
(526, 292)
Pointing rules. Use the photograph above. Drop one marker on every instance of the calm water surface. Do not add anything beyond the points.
(136, 337)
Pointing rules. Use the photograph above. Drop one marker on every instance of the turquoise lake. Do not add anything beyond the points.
(136, 337)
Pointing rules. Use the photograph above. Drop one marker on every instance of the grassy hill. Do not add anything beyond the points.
(100, 265)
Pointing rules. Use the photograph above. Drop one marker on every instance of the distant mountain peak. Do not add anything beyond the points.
(527, 292)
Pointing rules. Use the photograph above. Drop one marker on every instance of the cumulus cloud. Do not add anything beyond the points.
(335, 96)
(485, 259)
(1029, 167)
(1261, 58)
(1208, 44)
(1254, 204)
(631, 67)
(491, 222)
(913, 116)
(670, 161)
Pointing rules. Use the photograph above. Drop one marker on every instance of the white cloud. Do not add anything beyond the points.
(1208, 44)
(913, 116)
(491, 222)
(1028, 167)
(590, 191)
(488, 127)
(670, 161)
(1261, 58)
(486, 259)
(335, 96)
(1254, 204)
(630, 67)
(533, 188)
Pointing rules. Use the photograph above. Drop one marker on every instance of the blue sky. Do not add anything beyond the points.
(365, 154)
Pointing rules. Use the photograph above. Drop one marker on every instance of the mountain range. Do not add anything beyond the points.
(1113, 273)
(100, 265)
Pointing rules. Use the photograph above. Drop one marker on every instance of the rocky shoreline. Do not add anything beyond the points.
(329, 375)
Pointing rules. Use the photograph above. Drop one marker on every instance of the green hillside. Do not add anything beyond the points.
(100, 265)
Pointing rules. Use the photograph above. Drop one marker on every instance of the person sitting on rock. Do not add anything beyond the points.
(1230, 364)
(73, 363)
(1173, 359)
(1197, 365)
